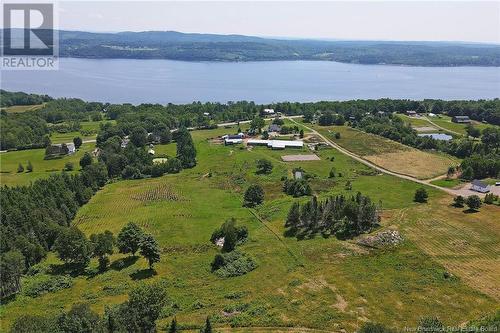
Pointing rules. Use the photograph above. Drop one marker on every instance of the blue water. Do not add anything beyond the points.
(438, 136)
(164, 81)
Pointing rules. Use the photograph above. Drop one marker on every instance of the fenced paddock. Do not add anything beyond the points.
(297, 158)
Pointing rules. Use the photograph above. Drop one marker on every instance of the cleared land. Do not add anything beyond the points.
(42, 168)
(22, 108)
(389, 154)
(308, 157)
(315, 283)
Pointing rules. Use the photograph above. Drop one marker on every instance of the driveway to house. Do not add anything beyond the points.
(386, 171)
(465, 190)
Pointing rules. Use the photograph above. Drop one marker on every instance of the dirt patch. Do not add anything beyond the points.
(425, 129)
(296, 158)
(415, 163)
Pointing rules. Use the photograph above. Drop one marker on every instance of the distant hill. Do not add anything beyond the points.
(212, 47)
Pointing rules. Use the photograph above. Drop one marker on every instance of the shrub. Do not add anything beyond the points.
(421, 195)
(473, 202)
(43, 284)
(459, 201)
(231, 264)
(69, 166)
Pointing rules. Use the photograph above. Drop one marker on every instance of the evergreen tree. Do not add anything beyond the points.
(230, 236)
(80, 319)
(150, 250)
(129, 239)
(186, 152)
(77, 141)
(173, 326)
(468, 173)
(208, 326)
(20, 168)
(29, 167)
(293, 218)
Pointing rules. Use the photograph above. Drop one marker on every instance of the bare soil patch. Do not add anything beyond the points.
(296, 158)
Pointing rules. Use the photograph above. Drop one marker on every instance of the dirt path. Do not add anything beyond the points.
(376, 167)
(440, 127)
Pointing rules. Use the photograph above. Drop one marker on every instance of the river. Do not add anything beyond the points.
(168, 81)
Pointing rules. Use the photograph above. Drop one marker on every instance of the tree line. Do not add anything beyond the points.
(35, 216)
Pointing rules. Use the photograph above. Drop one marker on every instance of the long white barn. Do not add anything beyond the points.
(276, 144)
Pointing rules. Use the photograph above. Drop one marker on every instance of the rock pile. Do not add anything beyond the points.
(383, 238)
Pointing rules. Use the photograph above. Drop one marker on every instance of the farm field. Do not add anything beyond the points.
(86, 126)
(9, 162)
(22, 108)
(315, 283)
(445, 122)
(389, 154)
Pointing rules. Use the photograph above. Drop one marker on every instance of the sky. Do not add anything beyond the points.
(472, 21)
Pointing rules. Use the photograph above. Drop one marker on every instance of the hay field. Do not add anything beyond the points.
(389, 154)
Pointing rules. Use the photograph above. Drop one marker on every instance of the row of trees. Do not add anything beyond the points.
(35, 216)
(337, 215)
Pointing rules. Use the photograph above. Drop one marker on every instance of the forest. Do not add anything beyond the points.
(207, 47)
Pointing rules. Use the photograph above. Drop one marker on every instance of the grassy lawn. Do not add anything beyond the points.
(448, 183)
(389, 154)
(445, 121)
(41, 168)
(317, 283)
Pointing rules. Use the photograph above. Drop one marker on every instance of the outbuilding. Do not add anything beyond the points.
(461, 119)
(480, 186)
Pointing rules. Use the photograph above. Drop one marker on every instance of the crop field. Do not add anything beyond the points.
(315, 283)
(9, 162)
(22, 108)
(389, 154)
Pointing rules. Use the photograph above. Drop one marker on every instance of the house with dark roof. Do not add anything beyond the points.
(480, 186)
(461, 119)
(274, 128)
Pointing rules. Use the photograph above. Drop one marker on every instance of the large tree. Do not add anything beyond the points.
(103, 246)
(186, 152)
(12, 267)
(150, 249)
(73, 247)
(254, 195)
(129, 239)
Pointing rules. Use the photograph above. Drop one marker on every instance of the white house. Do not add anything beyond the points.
(480, 186)
(71, 148)
(268, 111)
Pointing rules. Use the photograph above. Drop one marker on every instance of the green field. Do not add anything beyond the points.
(42, 168)
(86, 126)
(315, 283)
(22, 108)
(445, 122)
(388, 154)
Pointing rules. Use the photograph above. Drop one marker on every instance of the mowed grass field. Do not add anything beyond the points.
(321, 283)
(42, 168)
(389, 154)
